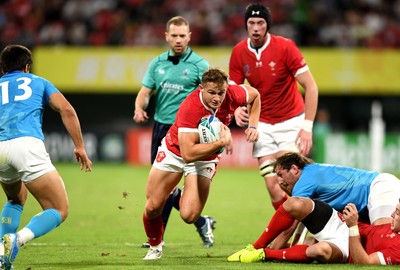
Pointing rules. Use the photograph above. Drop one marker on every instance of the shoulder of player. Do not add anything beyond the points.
(282, 41)
(195, 59)
(191, 103)
(236, 87)
(193, 97)
(240, 45)
(35, 78)
(161, 57)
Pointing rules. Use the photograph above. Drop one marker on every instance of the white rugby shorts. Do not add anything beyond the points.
(23, 158)
(168, 161)
(336, 232)
(383, 197)
(278, 137)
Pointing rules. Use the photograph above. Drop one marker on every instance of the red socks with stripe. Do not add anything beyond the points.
(280, 222)
(293, 254)
(279, 203)
(154, 229)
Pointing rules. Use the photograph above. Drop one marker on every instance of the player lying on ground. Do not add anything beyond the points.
(369, 244)
(322, 221)
(373, 244)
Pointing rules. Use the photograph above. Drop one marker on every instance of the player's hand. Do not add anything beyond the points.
(82, 157)
(229, 147)
(252, 134)
(225, 135)
(140, 116)
(350, 214)
(304, 142)
(241, 116)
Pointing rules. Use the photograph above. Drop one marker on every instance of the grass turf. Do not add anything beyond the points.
(104, 229)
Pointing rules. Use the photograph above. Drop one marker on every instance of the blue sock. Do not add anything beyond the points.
(44, 222)
(200, 222)
(10, 218)
(166, 212)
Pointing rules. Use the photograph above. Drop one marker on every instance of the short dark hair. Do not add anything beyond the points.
(257, 10)
(15, 57)
(214, 75)
(286, 161)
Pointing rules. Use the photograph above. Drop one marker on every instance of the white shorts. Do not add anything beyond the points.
(335, 232)
(278, 137)
(23, 159)
(383, 197)
(168, 161)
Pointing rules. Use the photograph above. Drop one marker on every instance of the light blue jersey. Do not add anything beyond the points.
(23, 99)
(172, 83)
(335, 185)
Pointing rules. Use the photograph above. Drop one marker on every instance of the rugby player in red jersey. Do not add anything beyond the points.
(274, 66)
(182, 154)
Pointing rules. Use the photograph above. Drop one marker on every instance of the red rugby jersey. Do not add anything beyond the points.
(193, 109)
(380, 238)
(271, 70)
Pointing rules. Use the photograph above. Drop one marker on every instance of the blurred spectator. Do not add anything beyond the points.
(339, 23)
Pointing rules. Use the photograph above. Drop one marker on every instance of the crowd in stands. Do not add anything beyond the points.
(338, 23)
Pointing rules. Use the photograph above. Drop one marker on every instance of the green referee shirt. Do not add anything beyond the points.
(173, 83)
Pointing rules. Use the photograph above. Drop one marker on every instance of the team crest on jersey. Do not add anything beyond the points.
(160, 156)
(229, 118)
(392, 235)
(272, 65)
(186, 72)
(161, 71)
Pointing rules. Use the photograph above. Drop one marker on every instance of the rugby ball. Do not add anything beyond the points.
(209, 129)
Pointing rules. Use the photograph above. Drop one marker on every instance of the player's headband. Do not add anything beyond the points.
(257, 11)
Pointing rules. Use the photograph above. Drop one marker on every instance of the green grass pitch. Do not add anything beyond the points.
(104, 229)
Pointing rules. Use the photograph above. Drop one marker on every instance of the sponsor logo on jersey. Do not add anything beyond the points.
(171, 88)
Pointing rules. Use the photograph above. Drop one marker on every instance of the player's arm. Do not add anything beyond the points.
(192, 150)
(141, 104)
(236, 76)
(254, 108)
(70, 120)
(357, 251)
(304, 138)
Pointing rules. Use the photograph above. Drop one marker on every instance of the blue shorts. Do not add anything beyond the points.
(159, 132)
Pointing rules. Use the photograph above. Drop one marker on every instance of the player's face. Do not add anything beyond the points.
(178, 38)
(257, 29)
(213, 94)
(287, 178)
(396, 219)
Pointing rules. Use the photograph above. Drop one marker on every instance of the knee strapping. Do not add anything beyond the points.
(267, 168)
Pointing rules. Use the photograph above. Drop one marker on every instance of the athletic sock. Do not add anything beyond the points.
(154, 229)
(166, 212)
(279, 203)
(10, 218)
(43, 223)
(280, 221)
(177, 198)
(200, 222)
(293, 254)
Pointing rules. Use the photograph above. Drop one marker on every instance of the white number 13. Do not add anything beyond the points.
(24, 86)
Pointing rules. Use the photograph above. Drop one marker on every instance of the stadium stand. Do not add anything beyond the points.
(318, 23)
